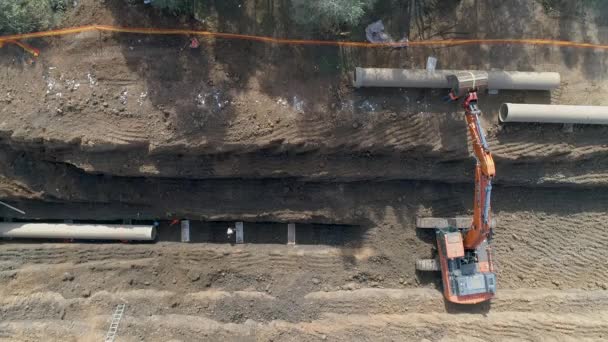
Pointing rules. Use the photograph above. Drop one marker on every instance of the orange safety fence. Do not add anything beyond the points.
(156, 31)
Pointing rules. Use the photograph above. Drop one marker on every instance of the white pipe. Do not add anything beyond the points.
(520, 80)
(407, 78)
(417, 78)
(76, 231)
(593, 115)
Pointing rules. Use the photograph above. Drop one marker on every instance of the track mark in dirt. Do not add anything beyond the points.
(494, 326)
(559, 249)
(218, 303)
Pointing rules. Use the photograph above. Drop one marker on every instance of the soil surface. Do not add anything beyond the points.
(109, 127)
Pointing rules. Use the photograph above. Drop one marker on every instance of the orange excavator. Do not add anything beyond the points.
(464, 253)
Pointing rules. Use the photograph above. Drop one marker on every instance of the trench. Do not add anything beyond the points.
(215, 232)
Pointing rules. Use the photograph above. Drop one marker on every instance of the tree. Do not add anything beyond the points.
(174, 6)
(19, 16)
(329, 15)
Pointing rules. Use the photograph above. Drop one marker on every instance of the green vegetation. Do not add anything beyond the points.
(552, 6)
(19, 16)
(328, 16)
(321, 16)
(176, 6)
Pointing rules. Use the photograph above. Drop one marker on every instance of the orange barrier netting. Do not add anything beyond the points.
(272, 40)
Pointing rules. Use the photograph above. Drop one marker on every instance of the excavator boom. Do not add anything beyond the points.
(484, 172)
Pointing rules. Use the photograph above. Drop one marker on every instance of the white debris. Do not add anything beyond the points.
(375, 34)
(347, 106)
(212, 100)
(368, 106)
(142, 98)
(298, 105)
(92, 80)
(72, 84)
(282, 101)
(200, 100)
(219, 102)
(50, 84)
(124, 96)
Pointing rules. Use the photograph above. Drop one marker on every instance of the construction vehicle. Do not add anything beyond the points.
(464, 254)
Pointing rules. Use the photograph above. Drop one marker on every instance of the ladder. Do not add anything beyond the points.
(111, 335)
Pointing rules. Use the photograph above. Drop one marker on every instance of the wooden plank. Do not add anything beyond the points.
(443, 222)
(447, 222)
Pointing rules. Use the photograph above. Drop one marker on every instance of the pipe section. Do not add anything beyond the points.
(406, 78)
(520, 80)
(76, 231)
(418, 78)
(591, 115)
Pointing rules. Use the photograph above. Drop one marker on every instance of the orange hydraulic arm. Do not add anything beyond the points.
(484, 173)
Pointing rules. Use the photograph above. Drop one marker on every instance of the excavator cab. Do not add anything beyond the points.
(467, 274)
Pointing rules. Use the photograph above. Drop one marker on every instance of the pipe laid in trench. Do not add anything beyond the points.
(419, 78)
(591, 115)
(76, 231)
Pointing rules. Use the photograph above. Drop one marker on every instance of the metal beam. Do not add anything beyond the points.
(291, 233)
(185, 225)
(240, 238)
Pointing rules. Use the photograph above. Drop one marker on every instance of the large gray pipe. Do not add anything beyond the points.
(416, 78)
(512, 112)
(76, 231)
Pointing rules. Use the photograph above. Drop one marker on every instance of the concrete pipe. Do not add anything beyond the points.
(417, 78)
(401, 78)
(519, 80)
(592, 115)
(76, 231)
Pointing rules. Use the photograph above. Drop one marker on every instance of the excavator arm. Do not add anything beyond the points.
(484, 173)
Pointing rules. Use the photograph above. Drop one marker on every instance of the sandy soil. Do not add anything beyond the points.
(109, 127)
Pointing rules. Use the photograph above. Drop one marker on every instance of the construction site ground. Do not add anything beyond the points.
(106, 127)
